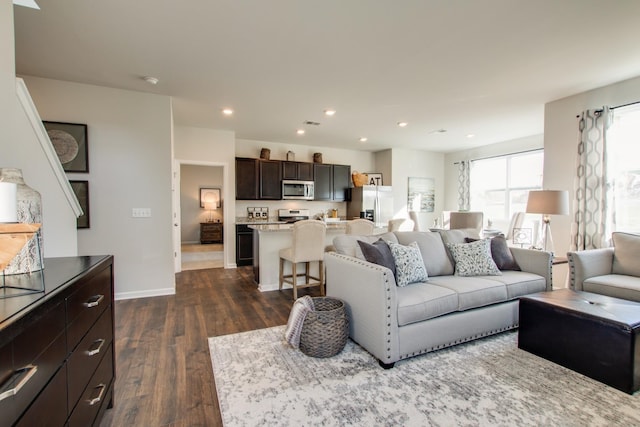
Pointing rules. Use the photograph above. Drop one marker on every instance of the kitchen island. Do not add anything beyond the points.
(268, 239)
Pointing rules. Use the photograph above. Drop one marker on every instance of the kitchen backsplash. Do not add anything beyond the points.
(315, 208)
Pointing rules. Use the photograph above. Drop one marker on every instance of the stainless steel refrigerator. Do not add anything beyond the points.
(374, 202)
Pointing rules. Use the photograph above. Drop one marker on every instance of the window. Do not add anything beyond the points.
(500, 185)
(623, 168)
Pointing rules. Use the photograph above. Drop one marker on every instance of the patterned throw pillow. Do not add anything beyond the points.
(473, 259)
(409, 265)
(500, 253)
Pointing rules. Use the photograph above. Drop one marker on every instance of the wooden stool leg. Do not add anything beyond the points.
(294, 280)
(307, 276)
(281, 273)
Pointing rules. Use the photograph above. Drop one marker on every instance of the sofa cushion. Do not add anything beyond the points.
(409, 265)
(434, 254)
(347, 244)
(614, 285)
(473, 292)
(625, 255)
(420, 301)
(473, 259)
(500, 253)
(378, 253)
(520, 283)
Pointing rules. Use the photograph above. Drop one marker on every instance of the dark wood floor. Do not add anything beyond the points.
(163, 367)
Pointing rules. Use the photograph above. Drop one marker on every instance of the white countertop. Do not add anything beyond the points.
(288, 227)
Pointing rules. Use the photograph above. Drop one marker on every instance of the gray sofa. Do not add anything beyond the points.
(396, 322)
(614, 271)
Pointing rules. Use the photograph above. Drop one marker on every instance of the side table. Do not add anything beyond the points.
(210, 232)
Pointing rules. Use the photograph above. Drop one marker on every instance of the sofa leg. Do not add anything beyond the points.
(386, 365)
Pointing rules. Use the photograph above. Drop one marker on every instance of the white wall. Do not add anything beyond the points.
(418, 164)
(129, 143)
(19, 148)
(192, 179)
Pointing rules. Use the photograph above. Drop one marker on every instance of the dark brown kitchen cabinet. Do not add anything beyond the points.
(323, 188)
(301, 171)
(58, 345)
(244, 245)
(341, 182)
(270, 177)
(331, 182)
(246, 179)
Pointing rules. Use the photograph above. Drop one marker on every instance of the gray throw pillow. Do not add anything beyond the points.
(473, 259)
(409, 265)
(500, 253)
(378, 253)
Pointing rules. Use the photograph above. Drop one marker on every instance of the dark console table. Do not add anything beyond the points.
(57, 364)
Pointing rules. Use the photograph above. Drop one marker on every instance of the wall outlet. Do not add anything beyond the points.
(141, 213)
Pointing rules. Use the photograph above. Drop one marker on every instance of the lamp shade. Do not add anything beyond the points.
(209, 205)
(548, 202)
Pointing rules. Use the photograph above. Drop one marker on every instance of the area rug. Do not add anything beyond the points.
(261, 380)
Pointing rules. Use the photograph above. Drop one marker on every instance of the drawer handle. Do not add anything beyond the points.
(95, 348)
(94, 301)
(27, 372)
(98, 398)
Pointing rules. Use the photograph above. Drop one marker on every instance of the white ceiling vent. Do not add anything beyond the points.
(310, 123)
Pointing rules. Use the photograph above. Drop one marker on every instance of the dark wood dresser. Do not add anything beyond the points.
(210, 232)
(57, 363)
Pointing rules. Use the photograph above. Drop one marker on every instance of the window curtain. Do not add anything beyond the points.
(592, 199)
(464, 194)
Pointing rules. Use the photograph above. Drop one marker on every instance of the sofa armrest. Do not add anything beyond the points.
(369, 292)
(534, 261)
(588, 263)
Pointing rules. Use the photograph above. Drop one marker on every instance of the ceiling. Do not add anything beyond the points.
(482, 67)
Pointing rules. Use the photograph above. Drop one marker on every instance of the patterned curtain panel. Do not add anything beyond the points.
(464, 197)
(591, 226)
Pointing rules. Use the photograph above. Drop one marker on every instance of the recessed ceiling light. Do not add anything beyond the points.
(151, 80)
(300, 131)
(227, 111)
(329, 112)
(363, 139)
(470, 135)
(402, 124)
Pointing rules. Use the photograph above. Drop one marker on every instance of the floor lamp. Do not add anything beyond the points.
(547, 203)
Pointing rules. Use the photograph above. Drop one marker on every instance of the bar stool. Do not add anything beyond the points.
(307, 246)
(362, 227)
(400, 224)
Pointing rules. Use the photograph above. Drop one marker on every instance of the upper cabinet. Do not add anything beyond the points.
(297, 170)
(246, 179)
(258, 179)
(270, 179)
(331, 182)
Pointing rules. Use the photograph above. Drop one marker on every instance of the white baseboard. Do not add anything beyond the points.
(145, 294)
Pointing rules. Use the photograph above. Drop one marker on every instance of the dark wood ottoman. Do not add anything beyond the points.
(595, 335)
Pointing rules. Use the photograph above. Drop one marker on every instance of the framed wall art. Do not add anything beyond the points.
(374, 178)
(71, 145)
(421, 195)
(210, 195)
(81, 190)
(522, 236)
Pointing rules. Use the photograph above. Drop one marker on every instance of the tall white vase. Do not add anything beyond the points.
(29, 204)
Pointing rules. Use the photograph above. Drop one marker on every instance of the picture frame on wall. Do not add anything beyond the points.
(81, 190)
(210, 194)
(70, 142)
(421, 194)
(374, 178)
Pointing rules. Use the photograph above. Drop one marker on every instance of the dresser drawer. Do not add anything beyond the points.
(50, 408)
(95, 396)
(7, 383)
(85, 306)
(40, 349)
(85, 359)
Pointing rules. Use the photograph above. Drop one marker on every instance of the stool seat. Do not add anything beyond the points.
(307, 246)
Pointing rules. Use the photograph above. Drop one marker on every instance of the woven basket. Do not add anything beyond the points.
(359, 179)
(326, 329)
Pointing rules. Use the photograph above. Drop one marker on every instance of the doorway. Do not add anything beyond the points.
(195, 248)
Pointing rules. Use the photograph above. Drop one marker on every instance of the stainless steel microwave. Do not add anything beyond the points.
(297, 190)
